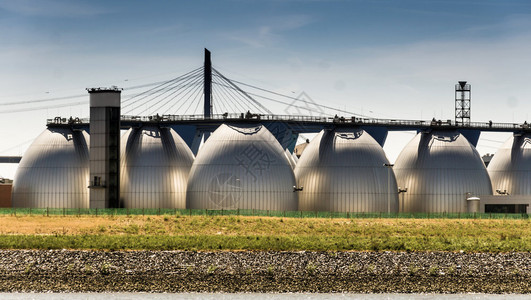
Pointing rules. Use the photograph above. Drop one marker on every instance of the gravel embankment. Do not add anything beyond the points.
(180, 271)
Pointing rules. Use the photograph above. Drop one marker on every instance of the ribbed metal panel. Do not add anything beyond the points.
(438, 169)
(155, 167)
(54, 171)
(290, 158)
(343, 170)
(241, 167)
(510, 167)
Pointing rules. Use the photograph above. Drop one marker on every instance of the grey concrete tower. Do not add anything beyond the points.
(104, 147)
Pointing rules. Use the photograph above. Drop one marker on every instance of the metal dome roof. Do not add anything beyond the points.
(438, 169)
(343, 170)
(510, 167)
(241, 166)
(155, 163)
(54, 171)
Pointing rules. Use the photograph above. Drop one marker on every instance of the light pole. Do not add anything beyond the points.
(388, 166)
(401, 191)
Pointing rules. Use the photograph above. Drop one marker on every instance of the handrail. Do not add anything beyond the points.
(306, 119)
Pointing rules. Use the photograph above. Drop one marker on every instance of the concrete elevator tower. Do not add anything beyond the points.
(104, 147)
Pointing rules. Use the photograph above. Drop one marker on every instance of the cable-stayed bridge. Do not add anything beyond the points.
(196, 103)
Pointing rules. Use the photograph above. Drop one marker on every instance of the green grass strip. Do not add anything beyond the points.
(284, 243)
(248, 212)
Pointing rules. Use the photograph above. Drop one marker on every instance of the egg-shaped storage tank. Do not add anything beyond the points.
(54, 171)
(344, 170)
(241, 167)
(439, 169)
(155, 163)
(510, 167)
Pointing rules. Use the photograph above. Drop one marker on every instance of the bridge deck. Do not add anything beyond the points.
(299, 123)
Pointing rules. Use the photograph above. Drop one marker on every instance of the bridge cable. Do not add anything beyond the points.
(172, 92)
(236, 104)
(241, 91)
(174, 84)
(301, 100)
(218, 100)
(244, 98)
(188, 92)
(241, 105)
(196, 93)
(160, 87)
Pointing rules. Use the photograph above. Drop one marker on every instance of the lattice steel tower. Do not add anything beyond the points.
(462, 103)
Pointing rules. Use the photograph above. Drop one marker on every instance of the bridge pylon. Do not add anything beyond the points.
(207, 85)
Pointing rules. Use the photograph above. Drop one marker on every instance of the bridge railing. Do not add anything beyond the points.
(66, 121)
(324, 119)
(306, 119)
(497, 125)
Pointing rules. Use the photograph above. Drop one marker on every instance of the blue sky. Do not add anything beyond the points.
(386, 59)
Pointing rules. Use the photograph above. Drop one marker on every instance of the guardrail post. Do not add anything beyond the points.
(47, 212)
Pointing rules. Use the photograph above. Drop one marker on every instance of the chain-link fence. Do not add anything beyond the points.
(247, 212)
